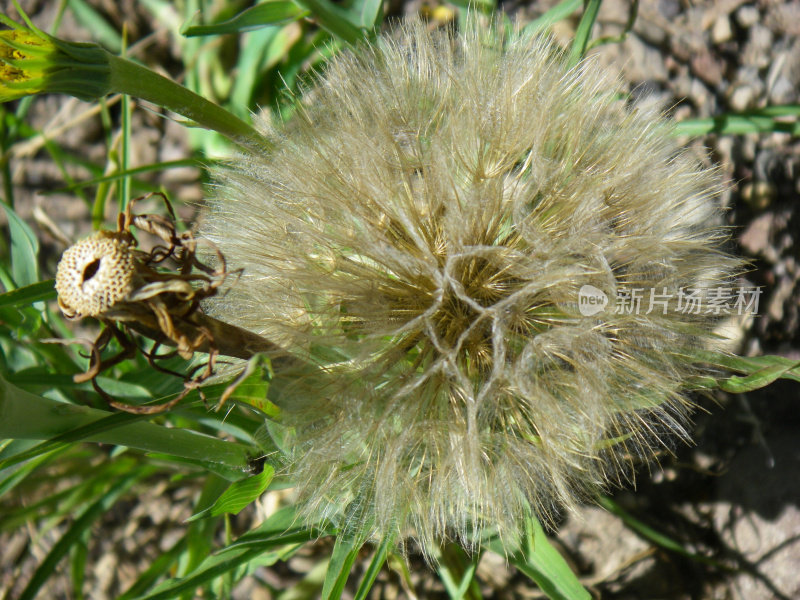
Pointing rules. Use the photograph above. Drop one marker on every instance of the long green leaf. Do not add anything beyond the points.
(102, 31)
(256, 17)
(24, 250)
(211, 568)
(737, 124)
(654, 536)
(757, 380)
(345, 551)
(559, 12)
(27, 416)
(156, 569)
(275, 533)
(584, 32)
(544, 565)
(116, 175)
(39, 376)
(24, 296)
(334, 18)
(80, 555)
(370, 13)
(74, 462)
(11, 476)
(759, 371)
(375, 565)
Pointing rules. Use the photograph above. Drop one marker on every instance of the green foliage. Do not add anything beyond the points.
(239, 495)
(540, 561)
(784, 119)
(255, 17)
(24, 250)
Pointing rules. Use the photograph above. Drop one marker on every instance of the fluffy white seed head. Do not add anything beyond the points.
(420, 235)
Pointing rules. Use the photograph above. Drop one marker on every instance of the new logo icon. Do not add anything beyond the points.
(591, 300)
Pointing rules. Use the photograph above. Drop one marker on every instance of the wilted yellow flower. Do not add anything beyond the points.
(424, 234)
(23, 57)
(32, 62)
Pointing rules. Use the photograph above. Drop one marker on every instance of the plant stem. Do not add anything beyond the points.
(127, 77)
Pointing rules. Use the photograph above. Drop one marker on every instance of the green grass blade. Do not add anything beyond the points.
(40, 377)
(544, 565)
(759, 371)
(764, 121)
(27, 416)
(79, 527)
(243, 493)
(375, 565)
(139, 185)
(457, 573)
(559, 12)
(11, 476)
(370, 13)
(102, 31)
(334, 19)
(24, 250)
(345, 551)
(654, 536)
(256, 17)
(80, 554)
(157, 569)
(282, 521)
(486, 7)
(27, 295)
(250, 68)
(752, 364)
(584, 32)
(276, 532)
(633, 13)
(62, 504)
(211, 568)
(757, 380)
(201, 534)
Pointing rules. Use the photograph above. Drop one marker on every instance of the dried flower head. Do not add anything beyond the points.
(421, 236)
(107, 277)
(96, 274)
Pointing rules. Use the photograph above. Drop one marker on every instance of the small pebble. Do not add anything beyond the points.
(782, 91)
(747, 16)
(758, 50)
(669, 9)
(721, 30)
(742, 98)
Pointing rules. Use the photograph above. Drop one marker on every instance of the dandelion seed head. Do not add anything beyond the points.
(420, 235)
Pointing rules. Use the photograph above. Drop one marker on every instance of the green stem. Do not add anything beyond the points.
(584, 31)
(130, 78)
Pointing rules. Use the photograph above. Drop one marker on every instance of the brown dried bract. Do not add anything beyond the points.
(106, 276)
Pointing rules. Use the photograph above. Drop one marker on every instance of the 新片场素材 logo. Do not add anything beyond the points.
(591, 300)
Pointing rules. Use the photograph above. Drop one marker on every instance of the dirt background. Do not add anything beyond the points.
(733, 497)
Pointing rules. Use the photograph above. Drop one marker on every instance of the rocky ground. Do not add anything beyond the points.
(733, 498)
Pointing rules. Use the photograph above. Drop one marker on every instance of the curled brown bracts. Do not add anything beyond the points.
(106, 276)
